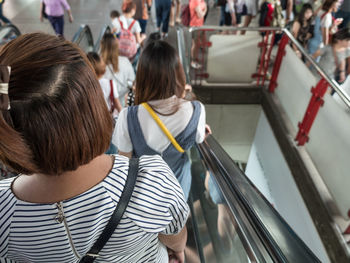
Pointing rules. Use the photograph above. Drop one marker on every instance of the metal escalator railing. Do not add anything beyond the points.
(182, 52)
(84, 39)
(105, 29)
(8, 33)
(245, 227)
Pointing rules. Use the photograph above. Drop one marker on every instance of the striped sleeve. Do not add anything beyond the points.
(7, 208)
(157, 204)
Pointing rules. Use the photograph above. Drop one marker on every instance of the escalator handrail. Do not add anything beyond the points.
(13, 27)
(84, 30)
(181, 47)
(105, 29)
(278, 238)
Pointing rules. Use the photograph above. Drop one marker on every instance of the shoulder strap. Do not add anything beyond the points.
(323, 15)
(111, 94)
(121, 23)
(163, 128)
(132, 24)
(117, 214)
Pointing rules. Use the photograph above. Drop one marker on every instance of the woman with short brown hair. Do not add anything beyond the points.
(54, 129)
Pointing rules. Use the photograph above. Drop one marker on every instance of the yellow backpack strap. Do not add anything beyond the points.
(163, 128)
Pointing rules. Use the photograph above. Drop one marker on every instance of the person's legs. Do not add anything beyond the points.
(166, 15)
(143, 25)
(159, 11)
(57, 24)
(228, 19)
(172, 14)
(2, 17)
(60, 25)
(178, 11)
(222, 15)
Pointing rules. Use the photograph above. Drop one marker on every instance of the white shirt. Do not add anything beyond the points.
(136, 28)
(106, 89)
(126, 73)
(326, 20)
(154, 136)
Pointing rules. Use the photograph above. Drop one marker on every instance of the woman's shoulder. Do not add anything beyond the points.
(123, 60)
(154, 177)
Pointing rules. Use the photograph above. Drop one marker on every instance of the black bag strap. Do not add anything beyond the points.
(92, 254)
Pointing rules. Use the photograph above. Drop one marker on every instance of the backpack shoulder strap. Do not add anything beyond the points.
(163, 128)
(132, 24)
(111, 94)
(117, 214)
(121, 23)
(323, 15)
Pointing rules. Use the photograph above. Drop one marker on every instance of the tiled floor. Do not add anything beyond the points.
(25, 15)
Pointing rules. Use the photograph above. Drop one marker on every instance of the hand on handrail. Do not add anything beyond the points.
(207, 130)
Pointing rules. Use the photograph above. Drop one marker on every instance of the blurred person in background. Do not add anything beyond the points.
(54, 11)
(344, 13)
(302, 28)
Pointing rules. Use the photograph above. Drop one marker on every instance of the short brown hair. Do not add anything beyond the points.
(327, 4)
(58, 119)
(128, 6)
(97, 63)
(114, 14)
(159, 73)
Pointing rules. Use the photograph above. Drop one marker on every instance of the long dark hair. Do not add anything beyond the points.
(159, 74)
(301, 15)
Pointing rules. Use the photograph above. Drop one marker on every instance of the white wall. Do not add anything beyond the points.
(269, 171)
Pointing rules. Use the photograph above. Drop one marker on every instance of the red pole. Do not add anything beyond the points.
(263, 54)
(268, 56)
(315, 103)
(278, 62)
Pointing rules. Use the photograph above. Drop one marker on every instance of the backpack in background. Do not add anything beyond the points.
(271, 14)
(185, 15)
(127, 41)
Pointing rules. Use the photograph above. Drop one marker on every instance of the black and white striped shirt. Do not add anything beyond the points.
(29, 232)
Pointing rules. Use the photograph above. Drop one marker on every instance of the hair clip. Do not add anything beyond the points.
(5, 72)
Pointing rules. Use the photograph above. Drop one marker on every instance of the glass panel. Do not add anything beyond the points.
(294, 92)
(218, 237)
(329, 147)
(224, 54)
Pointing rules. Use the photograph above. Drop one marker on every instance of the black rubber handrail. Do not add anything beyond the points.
(262, 230)
(12, 27)
(84, 31)
(105, 29)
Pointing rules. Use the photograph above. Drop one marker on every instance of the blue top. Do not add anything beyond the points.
(186, 139)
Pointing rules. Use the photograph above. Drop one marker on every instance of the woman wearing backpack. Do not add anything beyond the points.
(118, 67)
(129, 31)
(160, 83)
